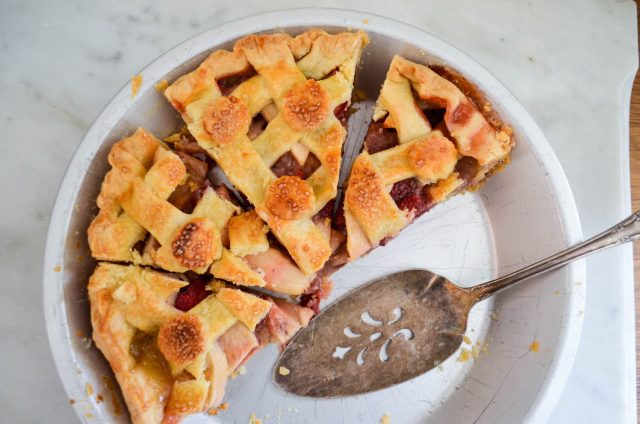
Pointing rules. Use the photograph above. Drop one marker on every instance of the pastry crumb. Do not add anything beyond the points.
(557, 292)
(365, 21)
(535, 346)
(88, 415)
(464, 355)
(253, 419)
(284, 371)
(72, 401)
(136, 82)
(475, 352)
(57, 268)
(386, 419)
(89, 389)
(466, 339)
(493, 316)
(240, 371)
(99, 398)
(161, 85)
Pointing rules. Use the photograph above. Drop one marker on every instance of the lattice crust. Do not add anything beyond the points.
(169, 363)
(133, 204)
(426, 154)
(299, 82)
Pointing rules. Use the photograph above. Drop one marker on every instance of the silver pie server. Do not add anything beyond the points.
(401, 326)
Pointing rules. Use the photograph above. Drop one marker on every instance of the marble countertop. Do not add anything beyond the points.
(570, 63)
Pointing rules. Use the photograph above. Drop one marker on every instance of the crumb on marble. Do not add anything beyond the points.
(386, 419)
(284, 371)
(253, 419)
(99, 398)
(72, 401)
(136, 82)
(57, 268)
(89, 389)
(535, 346)
(466, 339)
(365, 21)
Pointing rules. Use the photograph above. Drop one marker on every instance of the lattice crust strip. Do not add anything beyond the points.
(169, 363)
(298, 84)
(426, 154)
(133, 203)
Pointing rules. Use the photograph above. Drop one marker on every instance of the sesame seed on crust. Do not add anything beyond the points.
(434, 157)
(226, 119)
(181, 338)
(289, 197)
(306, 106)
(194, 245)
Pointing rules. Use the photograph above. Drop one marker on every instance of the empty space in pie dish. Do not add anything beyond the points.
(521, 215)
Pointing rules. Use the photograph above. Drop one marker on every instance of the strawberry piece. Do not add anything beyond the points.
(404, 188)
(191, 295)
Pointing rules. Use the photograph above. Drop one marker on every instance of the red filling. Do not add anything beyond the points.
(326, 212)
(467, 167)
(227, 84)
(341, 112)
(313, 295)
(380, 138)
(189, 296)
(409, 195)
(434, 116)
(288, 165)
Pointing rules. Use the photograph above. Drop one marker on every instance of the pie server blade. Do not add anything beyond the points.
(401, 326)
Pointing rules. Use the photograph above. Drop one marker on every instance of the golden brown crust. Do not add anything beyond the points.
(422, 153)
(370, 204)
(133, 205)
(248, 234)
(289, 198)
(167, 362)
(305, 106)
(249, 309)
(225, 119)
(195, 244)
(433, 157)
(306, 78)
(181, 338)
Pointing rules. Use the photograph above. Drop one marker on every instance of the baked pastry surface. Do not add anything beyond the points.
(428, 141)
(240, 206)
(296, 88)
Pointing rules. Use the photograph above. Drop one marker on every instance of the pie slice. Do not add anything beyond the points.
(170, 361)
(433, 135)
(271, 113)
(158, 207)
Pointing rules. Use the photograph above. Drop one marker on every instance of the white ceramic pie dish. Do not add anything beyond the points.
(521, 215)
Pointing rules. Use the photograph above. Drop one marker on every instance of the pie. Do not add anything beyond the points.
(433, 135)
(212, 241)
(222, 237)
(172, 350)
